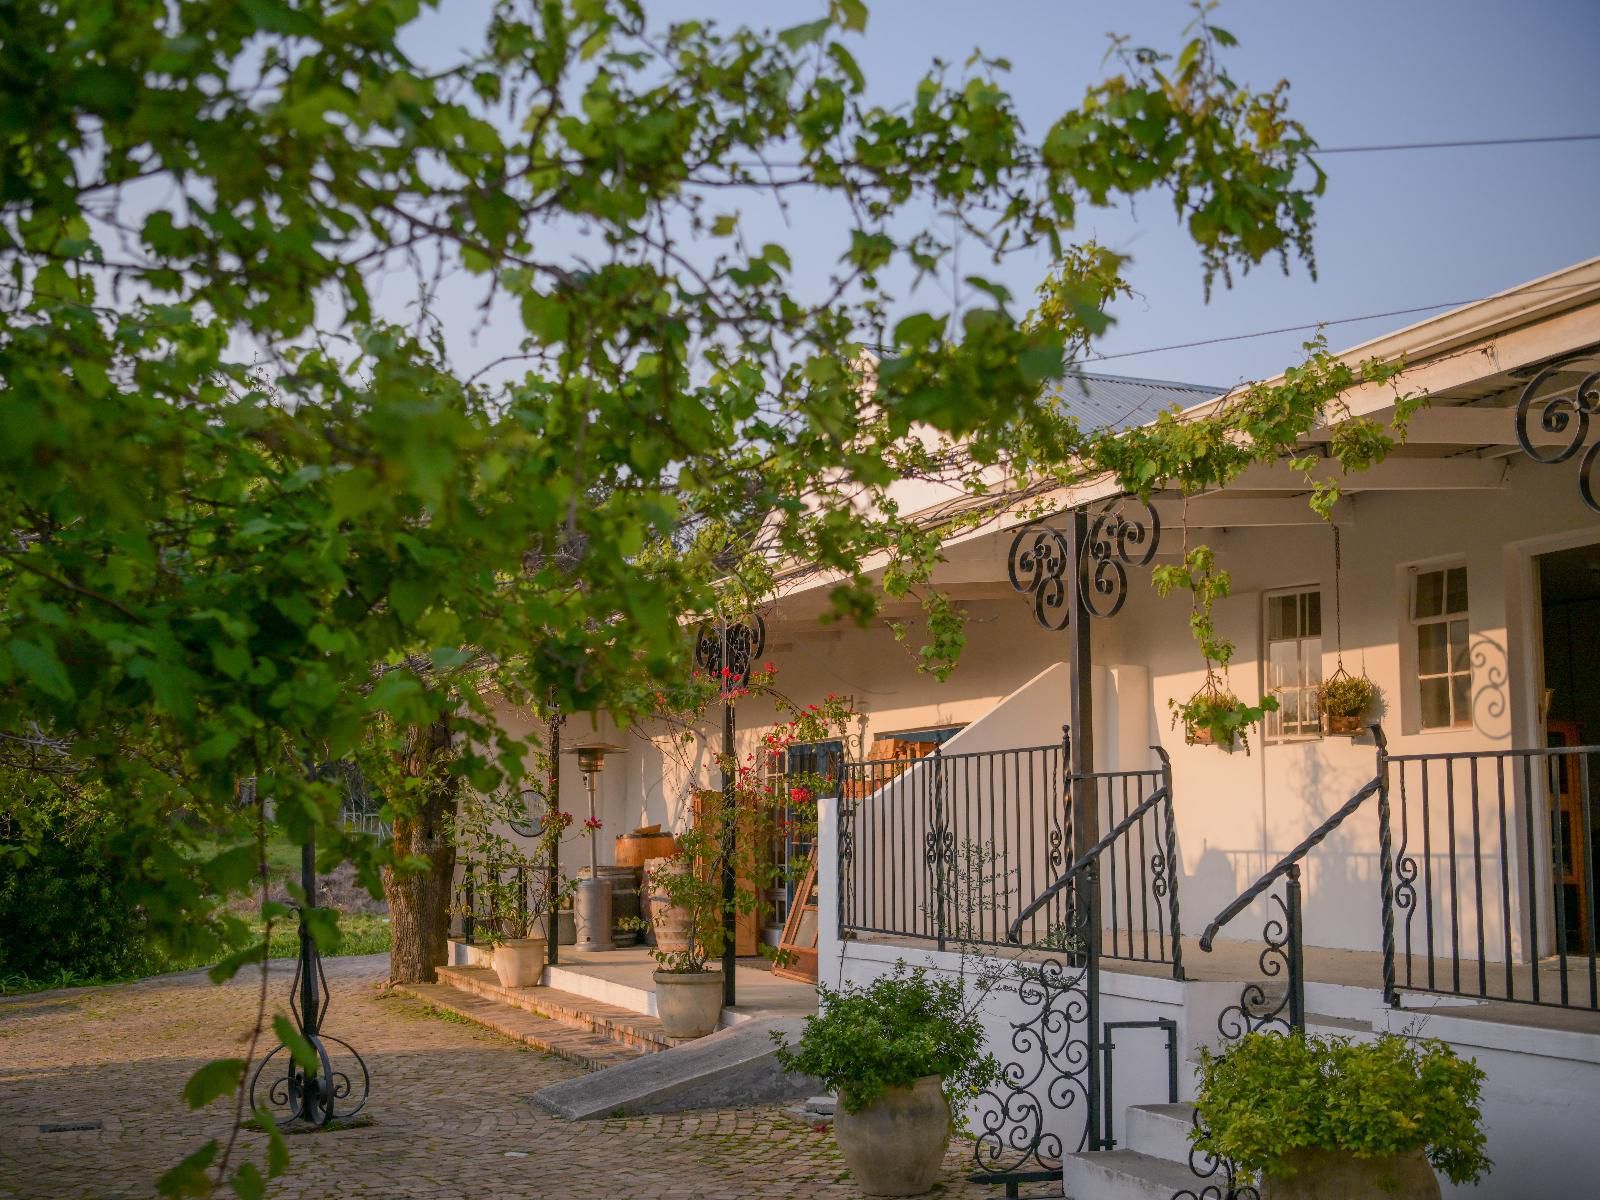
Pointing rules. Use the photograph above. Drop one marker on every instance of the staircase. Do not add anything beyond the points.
(1151, 1161)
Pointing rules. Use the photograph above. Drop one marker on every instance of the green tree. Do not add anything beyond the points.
(240, 508)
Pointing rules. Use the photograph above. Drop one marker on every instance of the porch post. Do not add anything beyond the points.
(552, 793)
(729, 817)
(1085, 809)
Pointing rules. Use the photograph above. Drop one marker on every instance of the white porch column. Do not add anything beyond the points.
(829, 947)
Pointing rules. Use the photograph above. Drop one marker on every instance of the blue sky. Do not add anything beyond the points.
(1394, 231)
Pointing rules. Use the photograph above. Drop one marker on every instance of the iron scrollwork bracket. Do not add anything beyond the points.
(728, 650)
(1566, 416)
(1041, 557)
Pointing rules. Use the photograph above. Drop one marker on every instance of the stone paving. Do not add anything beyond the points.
(450, 1114)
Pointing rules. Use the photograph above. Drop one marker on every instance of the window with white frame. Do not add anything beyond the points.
(1444, 669)
(1294, 661)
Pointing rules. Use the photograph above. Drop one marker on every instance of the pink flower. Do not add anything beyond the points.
(800, 795)
(592, 824)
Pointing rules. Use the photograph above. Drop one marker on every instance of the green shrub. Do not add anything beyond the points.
(1272, 1095)
(1346, 695)
(67, 905)
(890, 1034)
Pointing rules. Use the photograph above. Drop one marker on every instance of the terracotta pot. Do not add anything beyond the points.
(669, 924)
(1343, 726)
(895, 1146)
(689, 1003)
(1199, 735)
(1340, 1175)
(519, 962)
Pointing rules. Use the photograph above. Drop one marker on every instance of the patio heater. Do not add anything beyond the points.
(592, 904)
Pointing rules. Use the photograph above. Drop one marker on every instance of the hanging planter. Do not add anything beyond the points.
(1344, 700)
(1214, 716)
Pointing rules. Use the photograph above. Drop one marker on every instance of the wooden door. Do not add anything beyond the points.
(1570, 840)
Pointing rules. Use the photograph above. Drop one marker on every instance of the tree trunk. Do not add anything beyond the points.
(419, 901)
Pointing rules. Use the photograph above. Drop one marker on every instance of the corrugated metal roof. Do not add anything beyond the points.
(1121, 402)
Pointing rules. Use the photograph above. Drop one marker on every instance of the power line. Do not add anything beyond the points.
(1512, 141)
(1260, 333)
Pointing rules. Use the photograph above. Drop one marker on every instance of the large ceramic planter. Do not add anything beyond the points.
(689, 1003)
(895, 1146)
(668, 924)
(1340, 1175)
(519, 962)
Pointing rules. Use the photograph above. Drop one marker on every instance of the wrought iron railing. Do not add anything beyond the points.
(1494, 874)
(947, 848)
(1135, 867)
(472, 909)
(972, 849)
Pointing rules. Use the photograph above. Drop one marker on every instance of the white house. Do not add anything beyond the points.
(1461, 575)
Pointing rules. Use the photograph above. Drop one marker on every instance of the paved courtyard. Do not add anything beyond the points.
(450, 1110)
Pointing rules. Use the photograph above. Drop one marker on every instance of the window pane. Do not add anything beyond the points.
(1289, 706)
(1458, 647)
(1429, 598)
(1431, 658)
(1435, 703)
(1281, 621)
(1461, 699)
(1313, 615)
(1311, 660)
(1456, 590)
(1283, 664)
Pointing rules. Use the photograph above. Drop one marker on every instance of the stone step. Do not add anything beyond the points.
(587, 1049)
(1126, 1175)
(621, 1025)
(1157, 1130)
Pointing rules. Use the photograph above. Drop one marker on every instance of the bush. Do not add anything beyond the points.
(891, 1033)
(1271, 1095)
(66, 898)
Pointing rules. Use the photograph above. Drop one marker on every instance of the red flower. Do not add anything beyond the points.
(592, 824)
(800, 795)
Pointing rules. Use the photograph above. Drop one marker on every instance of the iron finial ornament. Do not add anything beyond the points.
(1568, 416)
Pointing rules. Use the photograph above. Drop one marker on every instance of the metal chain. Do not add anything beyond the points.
(1338, 601)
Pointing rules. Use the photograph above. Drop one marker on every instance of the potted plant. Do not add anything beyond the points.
(1214, 716)
(689, 885)
(1323, 1117)
(512, 897)
(903, 1054)
(1344, 700)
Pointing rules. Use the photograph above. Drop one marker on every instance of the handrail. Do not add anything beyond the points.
(1014, 930)
(1250, 894)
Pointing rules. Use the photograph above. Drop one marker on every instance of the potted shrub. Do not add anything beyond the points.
(512, 897)
(1344, 700)
(688, 990)
(1323, 1117)
(903, 1054)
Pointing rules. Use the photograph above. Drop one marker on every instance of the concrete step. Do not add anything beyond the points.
(1157, 1130)
(1125, 1175)
(625, 1026)
(733, 1067)
(587, 1049)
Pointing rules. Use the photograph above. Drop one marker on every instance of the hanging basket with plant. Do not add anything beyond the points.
(1344, 700)
(1214, 716)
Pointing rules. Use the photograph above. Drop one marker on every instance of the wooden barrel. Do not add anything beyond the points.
(635, 849)
(669, 925)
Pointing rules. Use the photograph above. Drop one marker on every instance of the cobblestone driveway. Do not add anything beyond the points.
(450, 1109)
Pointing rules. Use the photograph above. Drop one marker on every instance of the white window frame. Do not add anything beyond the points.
(1272, 730)
(1458, 720)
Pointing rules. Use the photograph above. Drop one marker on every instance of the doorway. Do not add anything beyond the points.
(1569, 597)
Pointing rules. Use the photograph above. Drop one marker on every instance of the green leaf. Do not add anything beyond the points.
(40, 664)
(797, 36)
(247, 1183)
(218, 1078)
(299, 1049)
(189, 1177)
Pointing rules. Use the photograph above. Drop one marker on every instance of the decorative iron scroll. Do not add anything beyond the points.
(1048, 1076)
(731, 647)
(1038, 565)
(1260, 1010)
(1565, 415)
(1039, 562)
(1116, 543)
